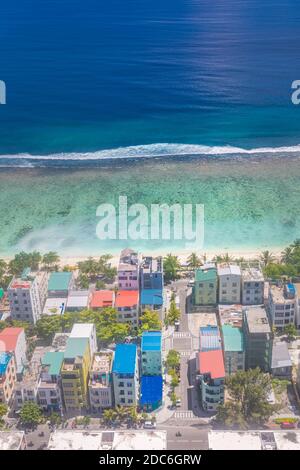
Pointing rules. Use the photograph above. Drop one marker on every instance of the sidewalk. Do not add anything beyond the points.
(165, 413)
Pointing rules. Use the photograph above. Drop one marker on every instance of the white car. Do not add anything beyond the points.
(149, 425)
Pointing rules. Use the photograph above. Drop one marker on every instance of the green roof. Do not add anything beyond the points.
(59, 281)
(76, 347)
(206, 275)
(233, 338)
(1, 293)
(54, 360)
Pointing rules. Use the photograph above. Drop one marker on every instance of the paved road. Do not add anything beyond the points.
(192, 438)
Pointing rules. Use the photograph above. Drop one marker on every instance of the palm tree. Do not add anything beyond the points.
(171, 267)
(296, 243)
(267, 257)
(50, 259)
(287, 255)
(3, 267)
(193, 261)
(226, 258)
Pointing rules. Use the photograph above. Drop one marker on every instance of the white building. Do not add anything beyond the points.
(55, 306)
(78, 300)
(100, 382)
(12, 440)
(86, 330)
(13, 339)
(49, 395)
(282, 305)
(252, 286)
(125, 375)
(27, 295)
(229, 284)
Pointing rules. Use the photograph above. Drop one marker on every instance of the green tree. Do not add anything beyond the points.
(291, 332)
(150, 321)
(100, 285)
(47, 326)
(248, 403)
(50, 260)
(24, 260)
(173, 314)
(173, 398)
(287, 255)
(193, 261)
(226, 258)
(109, 416)
(171, 267)
(3, 411)
(3, 267)
(30, 414)
(173, 359)
(266, 257)
(83, 281)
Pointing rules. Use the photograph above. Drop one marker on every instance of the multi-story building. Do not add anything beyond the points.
(210, 365)
(151, 273)
(281, 364)
(49, 395)
(125, 375)
(151, 299)
(27, 295)
(128, 270)
(78, 300)
(229, 284)
(8, 377)
(258, 338)
(101, 299)
(74, 374)
(88, 331)
(100, 382)
(151, 353)
(210, 338)
(205, 287)
(234, 350)
(13, 340)
(252, 286)
(60, 284)
(151, 392)
(282, 305)
(127, 305)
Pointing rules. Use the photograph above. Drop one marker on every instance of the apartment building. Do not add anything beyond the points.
(125, 375)
(151, 299)
(60, 284)
(282, 305)
(74, 374)
(49, 395)
(128, 270)
(151, 273)
(151, 353)
(229, 284)
(127, 305)
(27, 295)
(205, 287)
(211, 378)
(8, 377)
(102, 299)
(78, 300)
(86, 331)
(258, 338)
(13, 340)
(100, 382)
(234, 349)
(210, 338)
(252, 286)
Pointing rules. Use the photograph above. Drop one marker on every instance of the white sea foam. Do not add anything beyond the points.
(144, 151)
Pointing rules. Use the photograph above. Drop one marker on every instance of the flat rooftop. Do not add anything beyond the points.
(252, 274)
(231, 314)
(257, 320)
(280, 355)
(233, 338)
(59, 281)
(101, 362)
(125, 359)
(206, 275)
(212, 362)
(151, 265)
(82, 330)
(225, 269)
(54, 306)
(278, 295)
(11, 440)
(127, 298)
(151, 341)
(210, 338)
(152, 297)
(102, 298)
(53, 361)
(76, 347)
(78, 301)
(254, 440)
(108, 440)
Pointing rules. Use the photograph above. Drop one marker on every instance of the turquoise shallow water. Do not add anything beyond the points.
(250, 203)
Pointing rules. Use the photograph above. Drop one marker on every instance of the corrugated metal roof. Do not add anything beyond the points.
(152, 297)
(54, 360)
(59, 281)
(76, 347)
(210, 338)
(151, 341)
(151, 389)
(125, 359)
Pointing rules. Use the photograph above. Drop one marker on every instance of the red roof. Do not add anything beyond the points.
(102, 298)
(127, 298)
(9, 338)
(212, 362)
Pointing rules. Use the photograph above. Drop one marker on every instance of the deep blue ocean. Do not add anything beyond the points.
(85, 76)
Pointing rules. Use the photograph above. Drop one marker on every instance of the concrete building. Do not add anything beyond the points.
(211, 378)
(78, 300)
(101, 299)
(281, 364)
(125, 375)
(254, 440)
(210, 338)
(55, 306)
(231, 315)
(108, 440)
(100, 382)
(252, 286)
(86, 331)
(151, 273)
(229, 284)
(27, 295)
(12, 440)
(151, 392)
(60, 284)
(234, 349)
(151, 353)
(205, 287)
(74, 374)
(13, 340)
(151, 299)
(258, 338)
(8, 377)
(282, 305)
(128, 270)
(127, 305)
(49, 395)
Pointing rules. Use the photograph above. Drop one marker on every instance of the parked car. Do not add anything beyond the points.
(288, 425)
(177, 324)
(149, 425)
(178, 403)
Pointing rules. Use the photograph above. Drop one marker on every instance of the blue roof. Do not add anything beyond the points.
(4, 360)
(152, 297)
(125, 359)
(151, 341)
(151, 389)
(210, 338)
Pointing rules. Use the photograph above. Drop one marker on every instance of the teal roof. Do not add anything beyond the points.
(233, 338)
(59, 281)
(206, 275)
(54, 360)
(1, 293)
(76, 347)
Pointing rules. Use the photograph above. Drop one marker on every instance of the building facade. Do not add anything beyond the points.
(282, 305)
(100, 382)
(128, 270)
(127, 305)
(151, 353)
(86, 331)
(258, 338)
(49, 395)
(13, 339)
(151, 273)
(253, 284)
(229, 284)
(125, 375)
(8, 377)
(205, 287)
(60, 284)
(234, 349)
(211, 379)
